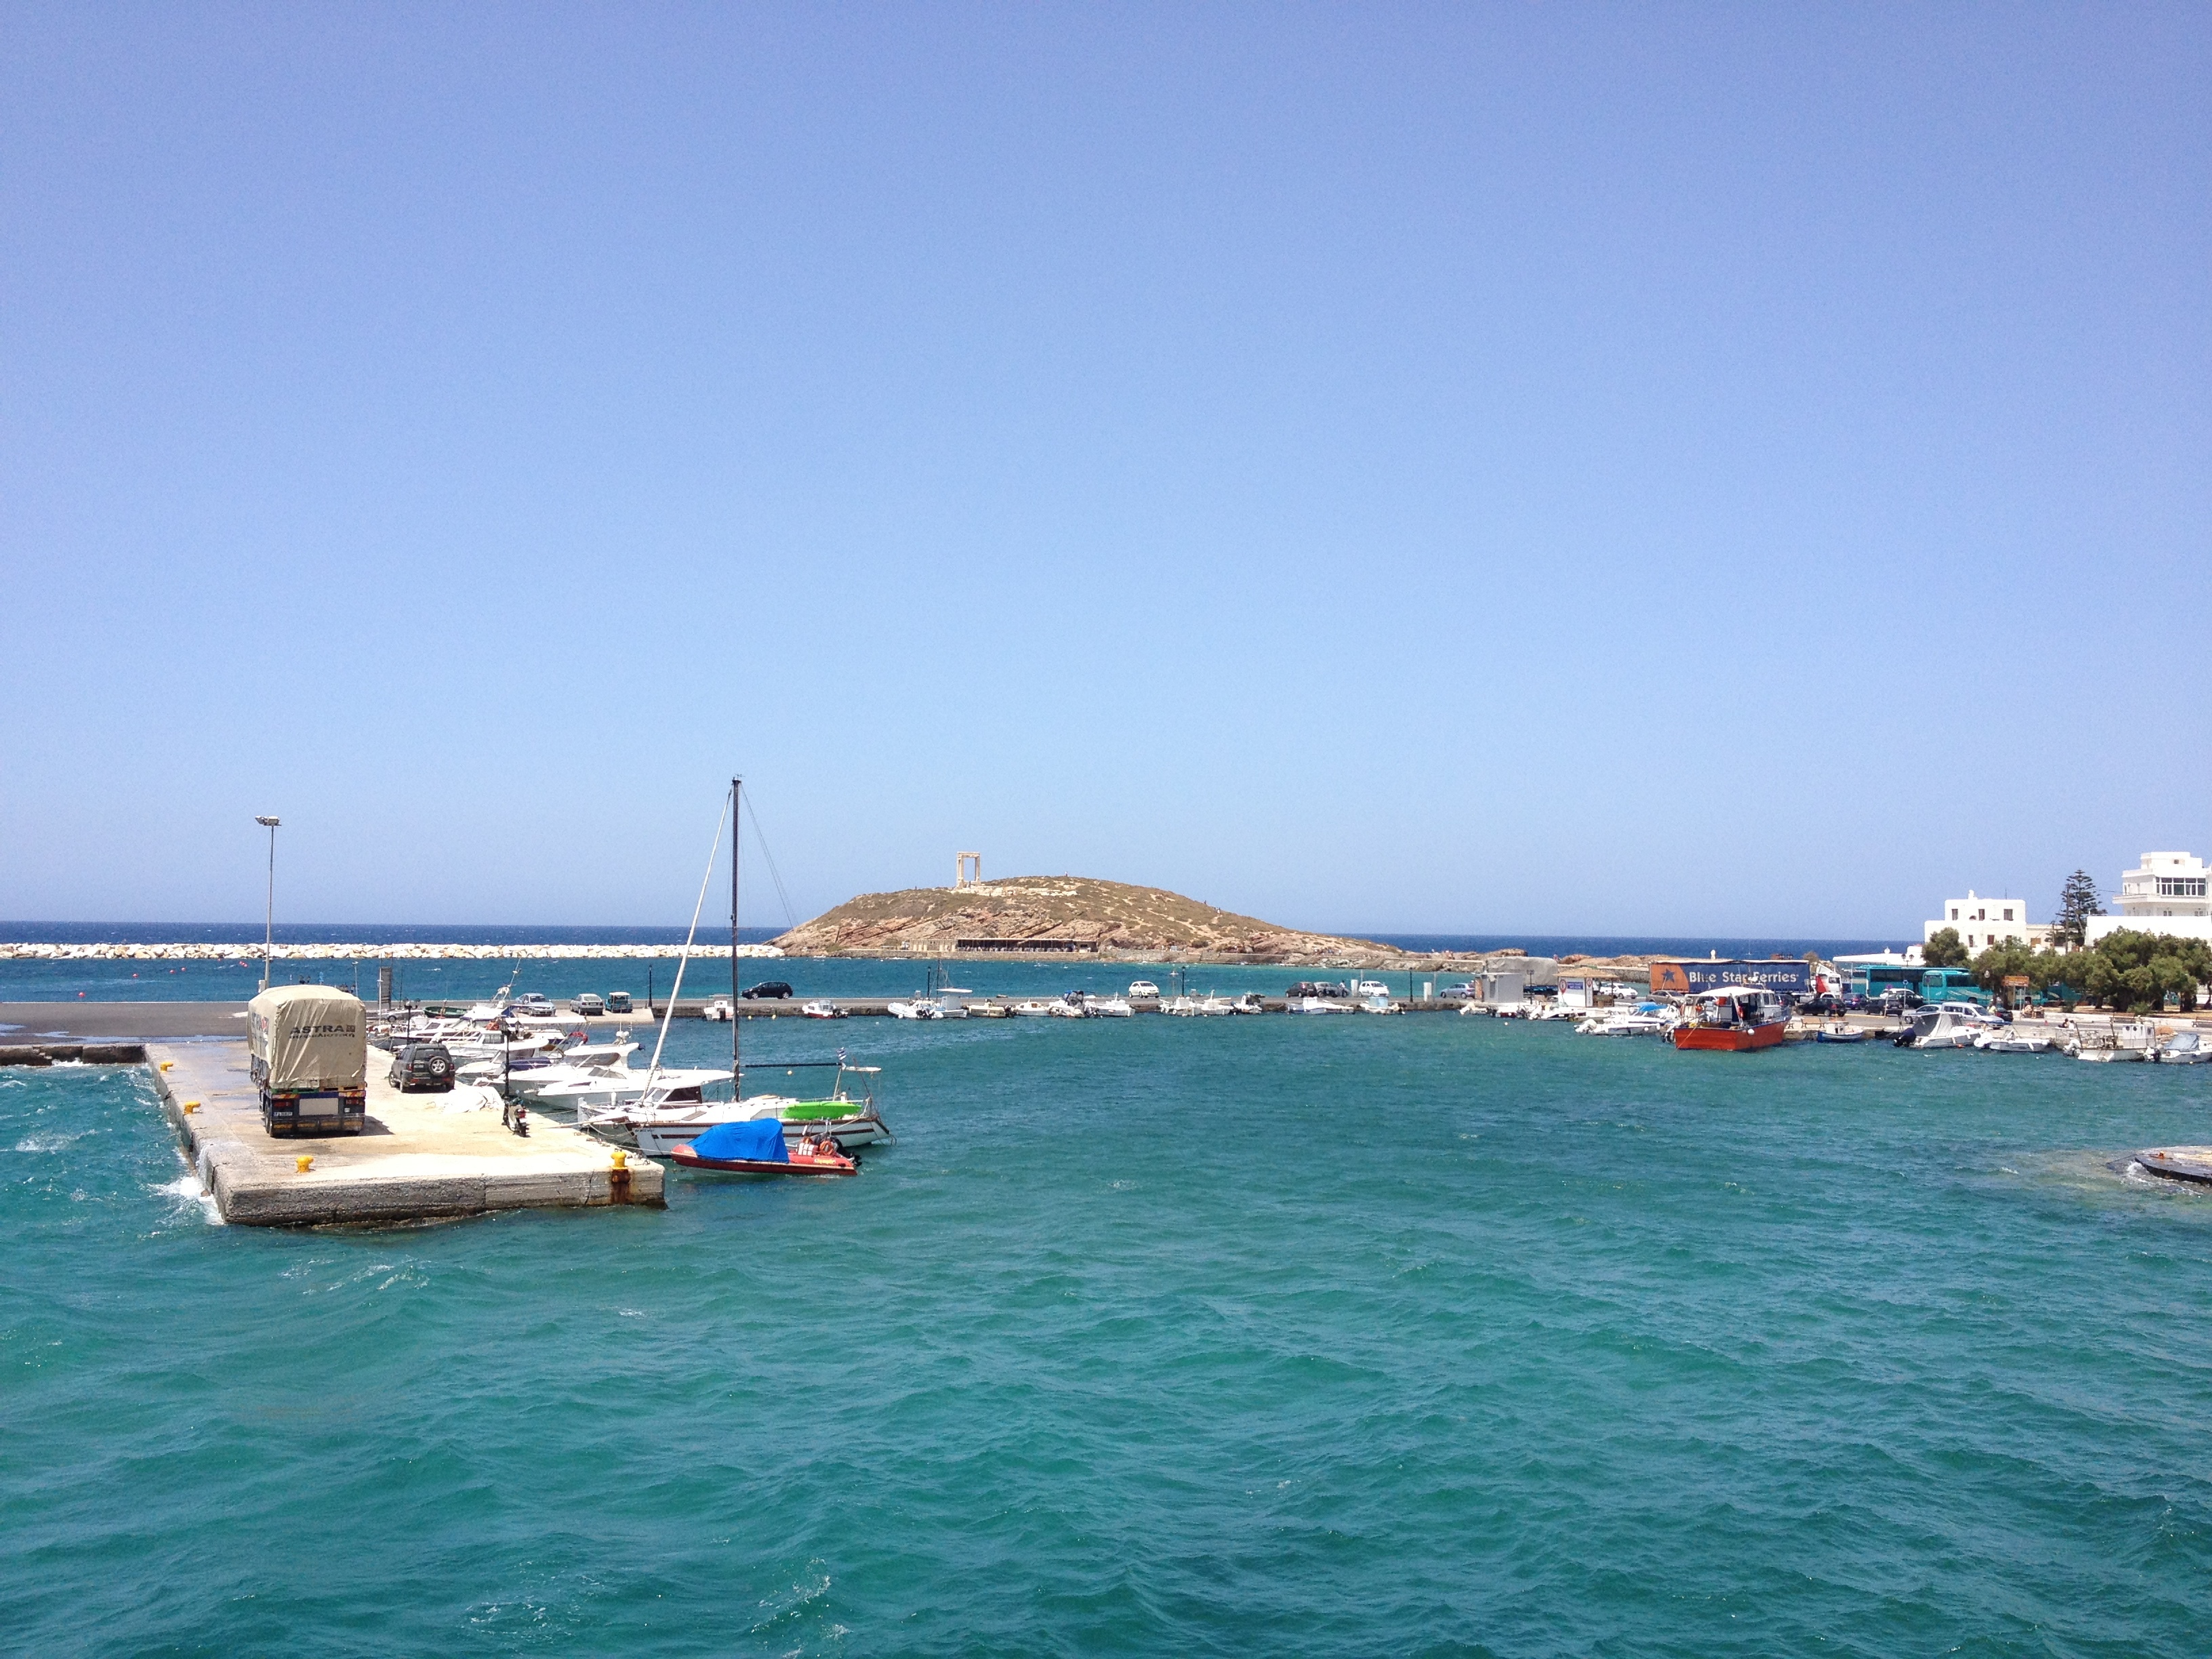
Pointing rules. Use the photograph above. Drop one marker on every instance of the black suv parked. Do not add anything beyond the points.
(775, 989)
(421, 1066)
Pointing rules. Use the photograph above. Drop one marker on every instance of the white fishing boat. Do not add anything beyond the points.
(1378, 1004)
(1320, 1006)
(1180, 1007)
(2119, 1040)
(1249, 1003)
(916, 1008)
(1111, 1008)
(1032, 1010)
(818, 1010)
(1071, 1006)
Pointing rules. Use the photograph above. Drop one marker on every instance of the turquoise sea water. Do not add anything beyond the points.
(1256, 1336)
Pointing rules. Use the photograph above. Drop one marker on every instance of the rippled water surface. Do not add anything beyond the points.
(1416, 1335)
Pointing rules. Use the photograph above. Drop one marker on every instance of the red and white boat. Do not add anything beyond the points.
(1733, 1019)
(755, 1147)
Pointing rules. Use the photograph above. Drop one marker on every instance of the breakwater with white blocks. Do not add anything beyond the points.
(207, 951)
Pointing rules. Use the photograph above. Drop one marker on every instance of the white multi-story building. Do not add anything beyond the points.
(1982, 922)
(2165, 894)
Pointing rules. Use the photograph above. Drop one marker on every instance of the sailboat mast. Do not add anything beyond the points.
(737, 835)
(737, 1076)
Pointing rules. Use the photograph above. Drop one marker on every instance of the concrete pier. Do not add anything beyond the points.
(82, 1021)
(418, 1160)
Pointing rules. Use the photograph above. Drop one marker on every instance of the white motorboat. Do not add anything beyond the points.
(622, 1124)
(1647, 1019)
(2182, 1049)
(616, 1090)
(918, 1008)
(585, 1062)
(2012, 1039)
(490, 1046)
(821, 1011)
(1068, 1007)
(1378, 1004)
(719, 1008)
(1111, 1008)
(1320, 1006)
(952, 1002)
(660, 1138)
(1180, 1007)
(1940, 1025)
(1249, 1003)
(846, 1114)
(1032, 1010)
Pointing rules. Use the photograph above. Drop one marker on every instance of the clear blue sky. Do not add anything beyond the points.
(1638, 469)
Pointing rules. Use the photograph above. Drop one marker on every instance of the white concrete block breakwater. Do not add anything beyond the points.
(201, 952)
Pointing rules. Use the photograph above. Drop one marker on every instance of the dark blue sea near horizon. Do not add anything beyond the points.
(101, 981)
(1421, 1335)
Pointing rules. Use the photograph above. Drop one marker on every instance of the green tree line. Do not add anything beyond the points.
(2126, 969)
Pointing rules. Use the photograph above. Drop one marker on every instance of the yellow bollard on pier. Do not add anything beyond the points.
(305, 1161)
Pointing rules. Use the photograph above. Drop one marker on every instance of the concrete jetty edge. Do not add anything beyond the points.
(419, 1163)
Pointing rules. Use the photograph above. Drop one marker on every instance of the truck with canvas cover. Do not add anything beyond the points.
(307, 1049)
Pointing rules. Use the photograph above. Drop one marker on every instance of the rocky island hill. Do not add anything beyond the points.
(1067, 917)
(1035, 917)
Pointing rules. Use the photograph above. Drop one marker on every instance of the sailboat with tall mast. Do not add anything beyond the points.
(669, 1098)
(671, 1109)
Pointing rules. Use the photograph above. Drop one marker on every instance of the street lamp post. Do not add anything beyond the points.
(269, 934)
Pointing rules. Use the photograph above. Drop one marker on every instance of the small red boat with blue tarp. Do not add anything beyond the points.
(755, 1147)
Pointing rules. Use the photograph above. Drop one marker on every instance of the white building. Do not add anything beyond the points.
(2165, 894)
(1982, 922)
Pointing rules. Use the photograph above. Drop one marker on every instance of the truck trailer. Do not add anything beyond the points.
(307, 1046)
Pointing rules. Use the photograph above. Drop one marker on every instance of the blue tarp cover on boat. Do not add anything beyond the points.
(760, 1139)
